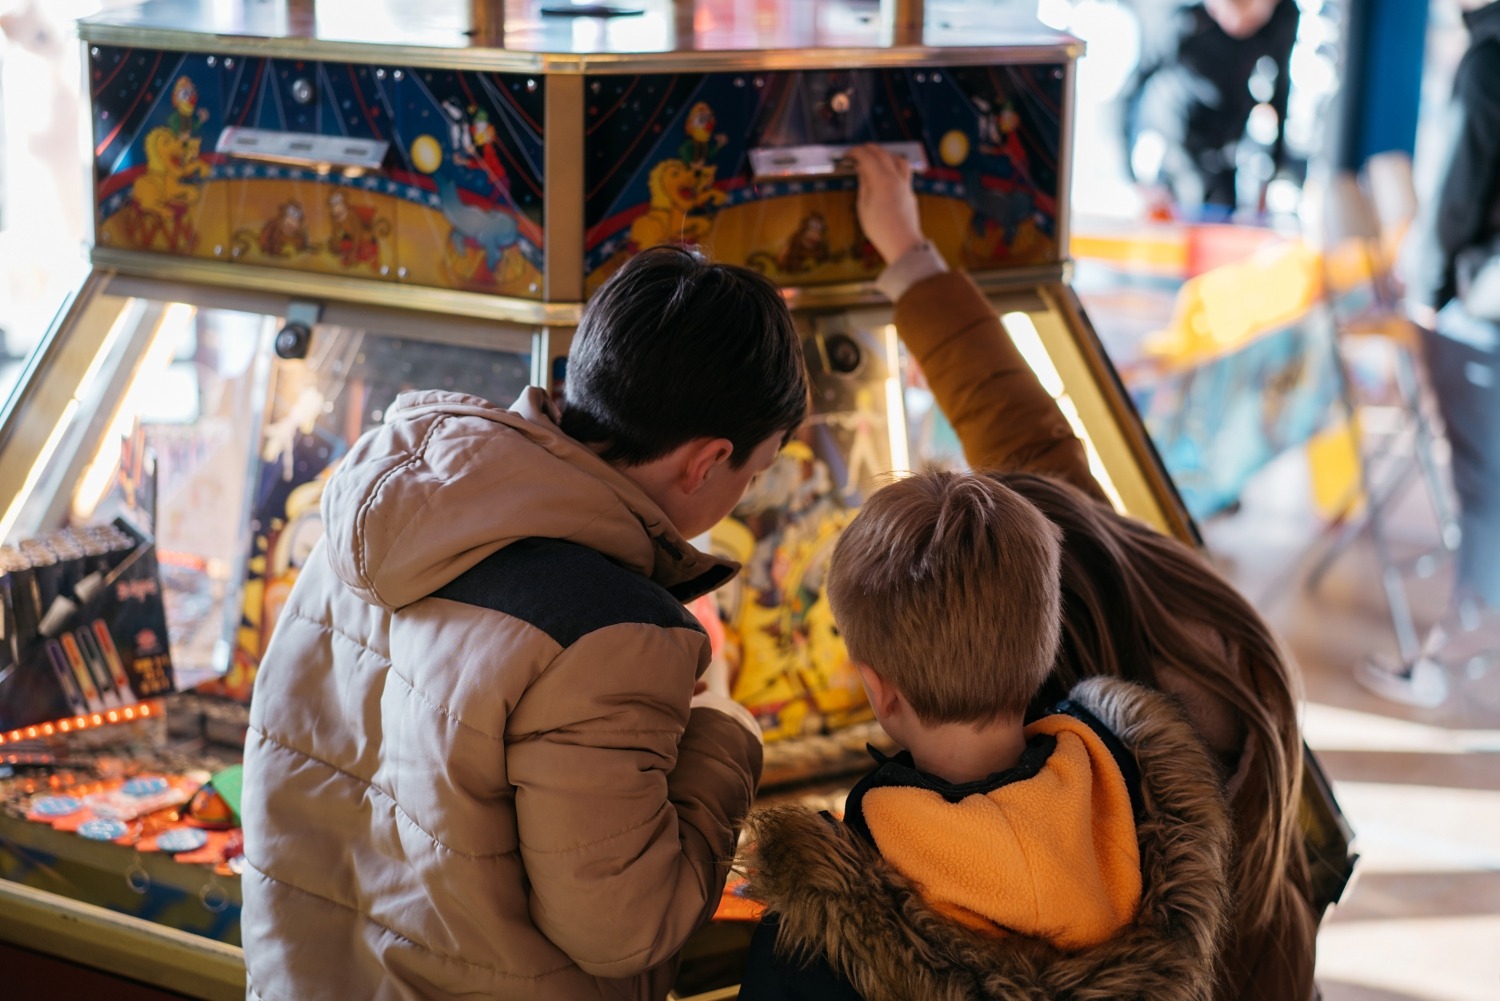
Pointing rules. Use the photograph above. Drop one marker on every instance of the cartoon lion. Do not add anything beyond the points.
(677, 190)
(170, 160)
(161, 197)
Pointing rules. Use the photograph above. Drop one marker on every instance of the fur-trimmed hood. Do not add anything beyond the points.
(837, 899)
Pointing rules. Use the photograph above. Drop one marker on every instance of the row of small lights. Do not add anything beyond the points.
(126, 715)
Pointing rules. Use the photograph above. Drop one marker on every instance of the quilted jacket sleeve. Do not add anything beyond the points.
(1001, 413)
(628, 804)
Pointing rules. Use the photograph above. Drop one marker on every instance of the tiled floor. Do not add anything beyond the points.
(1420, 787)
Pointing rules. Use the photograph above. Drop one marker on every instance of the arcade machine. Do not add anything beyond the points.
(300, 212)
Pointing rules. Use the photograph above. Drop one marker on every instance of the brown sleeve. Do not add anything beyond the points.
(628, 801)
(1001, 413)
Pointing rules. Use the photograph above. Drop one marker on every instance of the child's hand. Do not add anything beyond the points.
(887, 205)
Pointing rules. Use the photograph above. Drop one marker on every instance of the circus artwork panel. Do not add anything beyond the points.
(156, 118)
(298, 213)
(470, 156)
(668, 161)
(450, 198)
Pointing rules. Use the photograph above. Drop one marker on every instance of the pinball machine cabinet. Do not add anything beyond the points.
(298, 215)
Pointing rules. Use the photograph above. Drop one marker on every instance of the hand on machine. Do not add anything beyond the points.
(887, 205)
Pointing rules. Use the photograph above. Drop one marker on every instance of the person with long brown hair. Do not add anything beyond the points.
(1136, 604)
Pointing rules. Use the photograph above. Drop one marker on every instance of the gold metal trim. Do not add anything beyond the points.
(408, 322)
(551, 63)
(563, 190)
(1065, 158)
(30, 400)
(904, 20)
(1110, 417)
(487, 23)
(822, 297)
(560, 312)
(303, 285)
(552, 343)
(722, 994)
(729, 60)
(45, 406)
(121, 945)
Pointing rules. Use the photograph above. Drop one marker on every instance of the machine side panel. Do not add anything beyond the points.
(156, 118)
(667, 160)
(236, 159)
(469, 153)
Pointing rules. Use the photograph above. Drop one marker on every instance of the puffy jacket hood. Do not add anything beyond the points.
(450, 479)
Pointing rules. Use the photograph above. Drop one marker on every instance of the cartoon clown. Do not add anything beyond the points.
(702, 143)
(186, 116)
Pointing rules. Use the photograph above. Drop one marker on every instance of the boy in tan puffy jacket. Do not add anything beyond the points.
(476, 765)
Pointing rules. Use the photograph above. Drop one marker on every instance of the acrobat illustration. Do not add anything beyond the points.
(863, 423)
(475, 142)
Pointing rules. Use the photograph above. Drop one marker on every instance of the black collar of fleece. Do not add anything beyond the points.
(900, 770)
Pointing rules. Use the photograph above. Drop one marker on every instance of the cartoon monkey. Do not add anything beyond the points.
(862, 250)
(804, 250)
(354, 232)
(285, 234)
(808, 247)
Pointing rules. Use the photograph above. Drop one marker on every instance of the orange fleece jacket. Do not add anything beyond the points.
(1053, 856)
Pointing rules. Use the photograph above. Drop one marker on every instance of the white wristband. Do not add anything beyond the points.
(921, 261)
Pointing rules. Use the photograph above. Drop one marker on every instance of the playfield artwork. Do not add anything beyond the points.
(668, 162)
(455, 202)
(787, 662)
(316, 409)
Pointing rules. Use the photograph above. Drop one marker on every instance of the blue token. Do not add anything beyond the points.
(102, 830)
(181, 839)
(145, 786)
(56, 806)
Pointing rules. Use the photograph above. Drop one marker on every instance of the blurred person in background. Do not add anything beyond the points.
(1457, 236)
(1186, 107)
(43, 197)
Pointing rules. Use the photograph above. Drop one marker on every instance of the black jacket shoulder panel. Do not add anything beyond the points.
(566, 590)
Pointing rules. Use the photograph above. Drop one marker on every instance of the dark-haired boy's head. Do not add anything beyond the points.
(672, 349)
(946, 586)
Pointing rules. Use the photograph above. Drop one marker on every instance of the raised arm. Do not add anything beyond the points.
(998, 408)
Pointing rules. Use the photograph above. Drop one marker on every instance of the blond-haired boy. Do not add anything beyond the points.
(991, 857)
